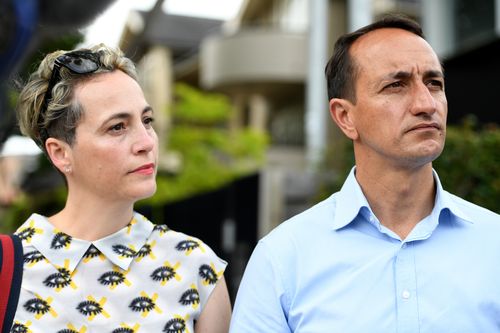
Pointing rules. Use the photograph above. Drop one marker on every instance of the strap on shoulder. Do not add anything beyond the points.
(11, 256)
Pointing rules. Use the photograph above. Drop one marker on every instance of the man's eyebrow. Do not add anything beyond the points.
(405, 75)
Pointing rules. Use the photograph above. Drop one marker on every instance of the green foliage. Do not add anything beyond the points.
(470, 164)
(468, 167)
(212, 155)
(196, 107)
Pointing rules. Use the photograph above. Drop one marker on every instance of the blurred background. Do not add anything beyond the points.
(240, 102)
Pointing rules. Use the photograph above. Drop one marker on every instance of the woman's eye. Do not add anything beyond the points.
(148, 120)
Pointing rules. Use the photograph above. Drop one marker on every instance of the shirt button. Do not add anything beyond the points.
(403, 246)
(405, 294)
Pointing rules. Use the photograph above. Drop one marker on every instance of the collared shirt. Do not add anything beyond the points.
(335, 268)
(143, 278)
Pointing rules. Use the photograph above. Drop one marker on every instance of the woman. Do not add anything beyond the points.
(98, 266)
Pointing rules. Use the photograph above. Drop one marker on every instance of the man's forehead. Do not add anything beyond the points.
(396, 49)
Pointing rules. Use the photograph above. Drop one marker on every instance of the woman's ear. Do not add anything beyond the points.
(341, 111)
(59, 153)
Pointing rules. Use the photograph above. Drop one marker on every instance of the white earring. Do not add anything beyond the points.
(67, 169)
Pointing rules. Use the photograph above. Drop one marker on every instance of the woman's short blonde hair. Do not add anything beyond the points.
(63, 112)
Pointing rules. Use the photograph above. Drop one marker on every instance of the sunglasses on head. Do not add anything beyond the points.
(78, 62)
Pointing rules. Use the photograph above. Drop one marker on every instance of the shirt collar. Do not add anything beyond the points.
(444, 200)
(350, 199)
(64, 251)
(350, 202)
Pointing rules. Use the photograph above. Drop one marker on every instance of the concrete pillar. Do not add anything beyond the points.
(437, 23)
(259, 112)
(316, 96)
(271, 199)
(359, 13)
(156, 78)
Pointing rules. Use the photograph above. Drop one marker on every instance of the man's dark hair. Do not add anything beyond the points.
(341, 69)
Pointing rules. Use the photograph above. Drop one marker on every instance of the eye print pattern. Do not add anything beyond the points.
(187, 245)
(19, 328)
(142, 304)
(26, 233)
(163, 274)
(144, 251)
(162, 228)
(60, 279)
(111, 278)
(208, 274)
(60, 240)
(123, 330)
(89, 308)
(190, 297)
(92, 252)
(37, 305)
(33, 257)
(175, 325)
(124, 251)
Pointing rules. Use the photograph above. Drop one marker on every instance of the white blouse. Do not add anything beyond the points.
(143, 278)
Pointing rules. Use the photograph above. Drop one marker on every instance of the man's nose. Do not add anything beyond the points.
(423, 100)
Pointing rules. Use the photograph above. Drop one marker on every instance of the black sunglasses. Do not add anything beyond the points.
(78, 62)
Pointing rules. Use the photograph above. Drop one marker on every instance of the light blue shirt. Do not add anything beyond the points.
(335, 268)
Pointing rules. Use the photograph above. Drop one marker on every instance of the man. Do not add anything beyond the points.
(391, 251)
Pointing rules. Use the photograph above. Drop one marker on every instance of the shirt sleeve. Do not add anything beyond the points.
(261, 301)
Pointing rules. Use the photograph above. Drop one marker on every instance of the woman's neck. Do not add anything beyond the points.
(92, 219)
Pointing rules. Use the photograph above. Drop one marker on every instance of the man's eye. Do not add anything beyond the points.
(435, 83)
(397, 84)
(117, 127)
(148, 120)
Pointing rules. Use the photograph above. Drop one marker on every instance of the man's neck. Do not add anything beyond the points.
(400, 198)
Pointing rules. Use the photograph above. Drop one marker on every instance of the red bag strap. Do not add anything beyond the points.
(6, 275)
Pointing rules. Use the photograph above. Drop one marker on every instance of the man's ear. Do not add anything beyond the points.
(59, 153)
(341, 111)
